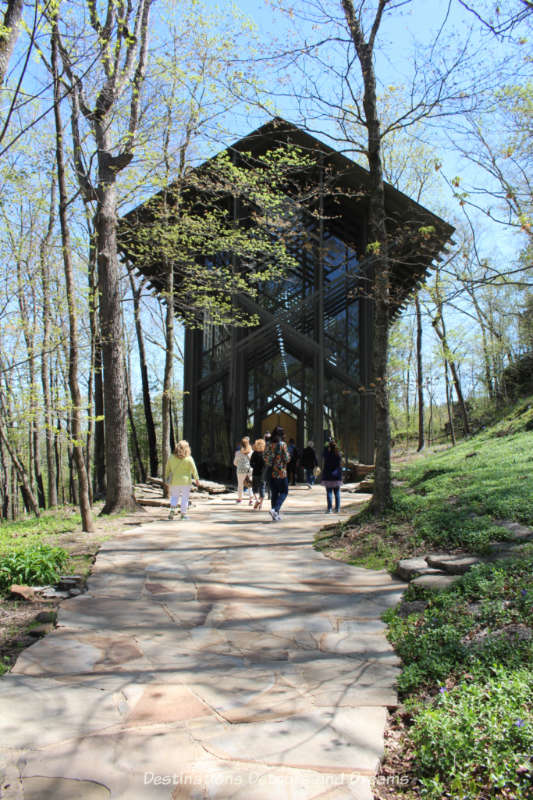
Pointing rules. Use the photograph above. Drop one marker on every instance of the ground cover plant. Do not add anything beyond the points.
(464, 729)
(467, 682)
(36, 565)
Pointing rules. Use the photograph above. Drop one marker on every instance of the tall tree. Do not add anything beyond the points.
(121, 43)
(136, 292)
(77, 404)
(9, 30)
(364, 47)
(44, 259)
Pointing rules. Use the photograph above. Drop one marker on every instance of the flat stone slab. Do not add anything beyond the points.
(38, 788)
(340, 740)
(220, 657)
(453, 564)
(435, 582)
(519, 532)
(409, 568)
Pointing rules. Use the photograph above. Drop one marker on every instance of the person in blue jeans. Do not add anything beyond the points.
(277, 457)
(332, 475)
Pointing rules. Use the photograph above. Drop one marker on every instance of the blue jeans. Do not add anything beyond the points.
(329, 493)
(309, 477)
(280, 489)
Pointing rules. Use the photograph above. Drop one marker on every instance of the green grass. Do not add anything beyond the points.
(29, 532)
(454, 499)
(456, 496)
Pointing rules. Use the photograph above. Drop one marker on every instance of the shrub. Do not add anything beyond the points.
(34, 565)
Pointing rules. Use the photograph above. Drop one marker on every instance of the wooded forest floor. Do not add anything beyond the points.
(23, 621)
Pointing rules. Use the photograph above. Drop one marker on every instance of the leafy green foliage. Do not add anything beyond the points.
(191, 227)
(40, 564)
(474, 741)
(28, 553)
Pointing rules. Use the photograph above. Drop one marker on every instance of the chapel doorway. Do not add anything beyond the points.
(287, 422)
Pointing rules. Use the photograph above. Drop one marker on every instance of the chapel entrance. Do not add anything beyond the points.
(287, 422)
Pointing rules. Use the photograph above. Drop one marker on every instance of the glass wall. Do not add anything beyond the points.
(342, 405)
(216, 346)
(214, 435)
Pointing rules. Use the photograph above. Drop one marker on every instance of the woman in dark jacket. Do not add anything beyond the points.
(332, 475)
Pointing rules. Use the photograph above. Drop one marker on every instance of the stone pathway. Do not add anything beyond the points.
(220, 657)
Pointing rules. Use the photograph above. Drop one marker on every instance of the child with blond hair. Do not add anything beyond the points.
(180, 473)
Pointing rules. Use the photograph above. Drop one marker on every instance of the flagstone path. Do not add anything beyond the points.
(219, 657)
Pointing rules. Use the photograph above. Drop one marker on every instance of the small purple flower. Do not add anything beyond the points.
(442, 690)
(520, 723)
(524, 592)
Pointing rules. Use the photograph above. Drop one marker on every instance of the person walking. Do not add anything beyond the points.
(332, 475)
(257, 463)
(292, 466)
(180, 473)
(267, 473)
(242, 464)
(309, 463)
(277, 456)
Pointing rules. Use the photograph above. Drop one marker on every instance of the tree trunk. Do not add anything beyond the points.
(119, 489)
(76, 422)
(29, 498)
(99, 481)
(460, 398)
(169, 359)
(93, 328)
(47, 323)
(5, 483)
(377, 246)
(10, 23)
(419, 375)
(150, 427)
(133, 429)
(449, 404)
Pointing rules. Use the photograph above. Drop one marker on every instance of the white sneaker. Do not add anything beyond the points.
(273, 514)
(278, 517)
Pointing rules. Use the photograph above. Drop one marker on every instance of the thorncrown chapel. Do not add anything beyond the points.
(307, 365)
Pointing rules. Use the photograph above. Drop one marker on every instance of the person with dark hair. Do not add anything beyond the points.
(309, 463)
(257, 463)
(332, 475)
(267, 471)
(293, 463)
(277, 457)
